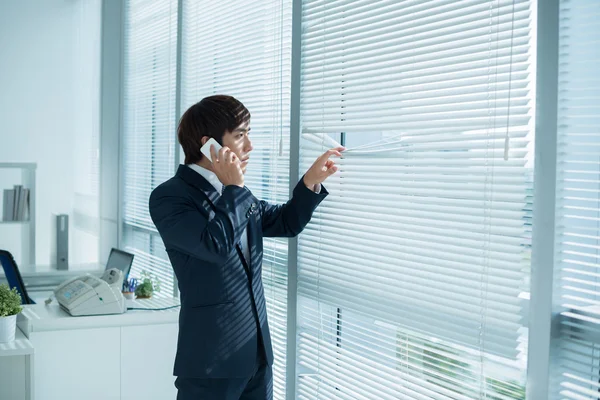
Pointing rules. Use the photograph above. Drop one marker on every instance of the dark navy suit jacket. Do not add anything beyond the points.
(223, 315)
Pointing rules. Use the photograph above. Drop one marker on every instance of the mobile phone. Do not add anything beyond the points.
(206, 148)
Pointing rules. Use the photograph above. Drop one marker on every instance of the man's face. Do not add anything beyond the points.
(239, 142)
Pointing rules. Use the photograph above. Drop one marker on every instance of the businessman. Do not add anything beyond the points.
(213, 228)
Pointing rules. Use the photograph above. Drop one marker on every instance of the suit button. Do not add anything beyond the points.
(251, 210)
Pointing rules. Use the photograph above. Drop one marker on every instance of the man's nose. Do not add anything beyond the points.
(249, 146)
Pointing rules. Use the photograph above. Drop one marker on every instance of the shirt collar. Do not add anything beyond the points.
(210, 176)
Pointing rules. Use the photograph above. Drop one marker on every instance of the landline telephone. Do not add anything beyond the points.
(90, 295)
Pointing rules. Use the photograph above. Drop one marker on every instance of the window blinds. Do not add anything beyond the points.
(148, 126)
(243, 49)
(411, 271)
(578, 201)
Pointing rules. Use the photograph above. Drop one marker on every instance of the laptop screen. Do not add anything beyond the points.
(121, 260)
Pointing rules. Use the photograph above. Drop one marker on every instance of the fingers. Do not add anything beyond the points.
(213, 154)
(329, 167)
(318, 172)
(331, 152)
(231, 157)
(334, 152)
(223, 152)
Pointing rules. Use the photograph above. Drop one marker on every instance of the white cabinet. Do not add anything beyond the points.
(126, 356)
(77, 364)
(133, 362)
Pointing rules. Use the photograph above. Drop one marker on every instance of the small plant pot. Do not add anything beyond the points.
(129, 295)
(8, 326)
(144, 297)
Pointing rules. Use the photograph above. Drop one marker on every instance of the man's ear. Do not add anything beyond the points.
(204, 140)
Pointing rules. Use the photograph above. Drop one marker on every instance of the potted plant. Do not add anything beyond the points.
(10, 306)
(147, 286)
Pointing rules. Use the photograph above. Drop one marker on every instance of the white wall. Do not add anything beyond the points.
(50, 114)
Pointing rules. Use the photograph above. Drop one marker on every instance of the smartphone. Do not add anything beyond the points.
(206, 148)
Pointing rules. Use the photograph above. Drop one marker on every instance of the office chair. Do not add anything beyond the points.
(13, 276)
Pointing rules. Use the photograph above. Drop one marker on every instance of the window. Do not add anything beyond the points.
(148, 129)
(411, 274)
(577, 265)
(248, 55)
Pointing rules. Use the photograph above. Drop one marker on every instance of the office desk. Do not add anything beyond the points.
(126, 356)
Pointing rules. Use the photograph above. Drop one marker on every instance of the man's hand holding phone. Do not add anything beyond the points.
(227, 166)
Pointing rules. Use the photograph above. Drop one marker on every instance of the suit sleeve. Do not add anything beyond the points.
(184, 228)
(290, 219)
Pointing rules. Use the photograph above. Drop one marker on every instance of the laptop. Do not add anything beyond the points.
(120, 260)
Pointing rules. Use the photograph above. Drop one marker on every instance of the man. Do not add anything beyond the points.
(213, 228)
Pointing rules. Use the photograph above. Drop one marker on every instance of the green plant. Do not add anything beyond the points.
(148, 285)
(10, 301)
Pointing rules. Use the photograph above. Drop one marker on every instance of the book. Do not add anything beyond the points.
(23, 208)
(17, 198)
(8, 204)
(15, 205)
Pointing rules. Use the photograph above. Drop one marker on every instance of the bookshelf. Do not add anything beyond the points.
(20, 174)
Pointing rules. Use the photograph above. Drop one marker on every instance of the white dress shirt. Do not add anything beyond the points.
(211, 177)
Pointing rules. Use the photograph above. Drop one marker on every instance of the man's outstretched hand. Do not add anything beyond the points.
(322, 168)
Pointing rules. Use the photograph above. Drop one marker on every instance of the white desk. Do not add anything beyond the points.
(41, 318)
(126, 356)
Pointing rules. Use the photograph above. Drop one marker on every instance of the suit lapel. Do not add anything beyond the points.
(250, 232)
(247, 263)
(195, 179)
